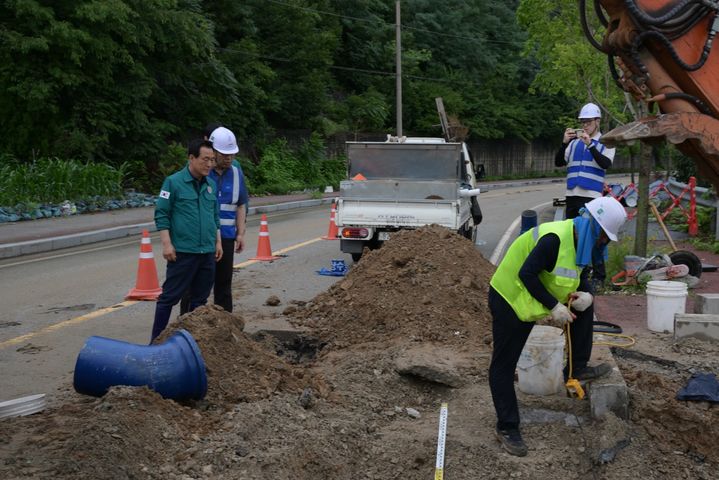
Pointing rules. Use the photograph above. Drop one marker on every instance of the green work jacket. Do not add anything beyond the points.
(560, 282)
(188, 208)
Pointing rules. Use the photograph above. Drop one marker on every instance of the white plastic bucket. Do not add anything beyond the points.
(540, 364)
(664, 299)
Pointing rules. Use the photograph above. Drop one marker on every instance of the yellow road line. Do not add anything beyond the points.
(279, 252)
(67, 323)
(127, 303)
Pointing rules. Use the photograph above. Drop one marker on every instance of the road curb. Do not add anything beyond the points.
(9, 250)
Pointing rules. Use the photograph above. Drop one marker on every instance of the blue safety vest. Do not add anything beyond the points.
(231, 193)
(582, 170)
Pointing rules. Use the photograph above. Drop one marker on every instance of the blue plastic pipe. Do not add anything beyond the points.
(174, 369)
(529, 220)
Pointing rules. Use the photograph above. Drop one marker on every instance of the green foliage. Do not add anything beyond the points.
(125, 81)
(51, 180)
(283, 170)
(569, 65)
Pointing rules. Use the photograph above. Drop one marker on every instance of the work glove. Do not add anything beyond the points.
(581, 301)
(561, 315)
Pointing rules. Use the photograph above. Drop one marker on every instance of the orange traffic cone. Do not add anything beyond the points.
(264, 250)
(332, 233)
(147, 286)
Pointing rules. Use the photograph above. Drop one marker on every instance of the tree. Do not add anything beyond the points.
(111, 79)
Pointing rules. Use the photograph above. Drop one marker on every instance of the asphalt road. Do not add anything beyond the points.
(52, 302)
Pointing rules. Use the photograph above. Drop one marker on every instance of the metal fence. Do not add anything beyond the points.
(512, 157)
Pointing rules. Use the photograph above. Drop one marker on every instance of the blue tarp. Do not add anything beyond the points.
(702, 387)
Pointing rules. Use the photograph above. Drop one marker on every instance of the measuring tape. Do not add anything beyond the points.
(439, 466)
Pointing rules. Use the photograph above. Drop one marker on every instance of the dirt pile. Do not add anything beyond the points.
(239, 369)
(121, 435)
(428, 284)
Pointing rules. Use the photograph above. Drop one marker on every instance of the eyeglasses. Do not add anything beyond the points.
(586, 120)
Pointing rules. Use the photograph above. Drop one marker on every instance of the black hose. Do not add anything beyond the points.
(694, 100)
(585, 26)
(670, 48)
(600, 14)
(645, 18)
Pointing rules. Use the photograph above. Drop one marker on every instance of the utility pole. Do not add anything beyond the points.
(398, 60)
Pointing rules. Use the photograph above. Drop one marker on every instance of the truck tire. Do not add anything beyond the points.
(470, 233)
(356, 256)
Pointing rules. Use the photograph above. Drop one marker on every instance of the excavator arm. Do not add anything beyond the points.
(661, 51)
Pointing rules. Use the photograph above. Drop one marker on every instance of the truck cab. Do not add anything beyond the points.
(405, 183)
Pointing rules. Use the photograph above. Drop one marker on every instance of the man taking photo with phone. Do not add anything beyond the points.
(587, 160)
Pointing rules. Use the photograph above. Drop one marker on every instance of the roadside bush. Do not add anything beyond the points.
(52, 180)
(283, 170)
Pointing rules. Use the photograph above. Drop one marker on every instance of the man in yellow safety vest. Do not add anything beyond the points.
(543, 269)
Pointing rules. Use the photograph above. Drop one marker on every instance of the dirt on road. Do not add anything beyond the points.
(357, 395)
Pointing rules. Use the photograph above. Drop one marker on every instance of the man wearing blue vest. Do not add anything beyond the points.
(543, 269)
(233, 198)
(587, 160)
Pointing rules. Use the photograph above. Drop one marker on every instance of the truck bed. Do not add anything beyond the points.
(401, 213)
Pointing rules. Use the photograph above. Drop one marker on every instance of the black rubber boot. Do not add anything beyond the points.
(591, 373)
(512, 442)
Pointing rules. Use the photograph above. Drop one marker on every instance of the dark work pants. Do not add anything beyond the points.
(574, 204)
(223, 275)
(190, 271)
(509, 336)
(223, 279)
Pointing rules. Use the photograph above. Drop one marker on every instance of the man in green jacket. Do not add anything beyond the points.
(188, 219)
(543, 269)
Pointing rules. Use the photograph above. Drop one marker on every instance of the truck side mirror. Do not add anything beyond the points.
(479, 172)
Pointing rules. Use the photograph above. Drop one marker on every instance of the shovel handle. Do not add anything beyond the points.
(664, 227)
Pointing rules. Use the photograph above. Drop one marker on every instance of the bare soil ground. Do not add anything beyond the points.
(333, 404)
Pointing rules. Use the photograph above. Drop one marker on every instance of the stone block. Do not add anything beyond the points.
(707, 303)
(701, 326)
(608, 394)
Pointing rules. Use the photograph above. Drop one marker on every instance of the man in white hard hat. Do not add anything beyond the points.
(543, 269)
(587, 160)
(233, 198)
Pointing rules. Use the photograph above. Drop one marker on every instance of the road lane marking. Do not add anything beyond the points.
(499, 249)
(69, 254)
(125, 304)
(67, 323)
(247, 263)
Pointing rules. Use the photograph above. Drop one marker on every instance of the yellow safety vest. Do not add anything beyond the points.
(562, 281)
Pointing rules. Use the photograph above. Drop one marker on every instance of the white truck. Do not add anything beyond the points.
(405, 183)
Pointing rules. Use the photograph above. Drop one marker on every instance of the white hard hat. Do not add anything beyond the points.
(609, 214)
(590, 110)
(223, 140)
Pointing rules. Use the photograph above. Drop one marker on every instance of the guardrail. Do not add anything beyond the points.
(704, 197)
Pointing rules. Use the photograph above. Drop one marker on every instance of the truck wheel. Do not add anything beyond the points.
(356, 256)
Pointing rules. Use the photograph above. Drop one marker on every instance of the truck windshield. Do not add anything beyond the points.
(405, 161)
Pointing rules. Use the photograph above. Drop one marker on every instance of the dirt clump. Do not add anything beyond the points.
(425, 285)
(239, 369)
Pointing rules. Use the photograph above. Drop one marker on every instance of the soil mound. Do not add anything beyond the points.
(117, 436)
(239, 369)
(428, 284)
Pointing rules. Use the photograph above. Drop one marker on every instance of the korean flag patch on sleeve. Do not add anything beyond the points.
(164, 194)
